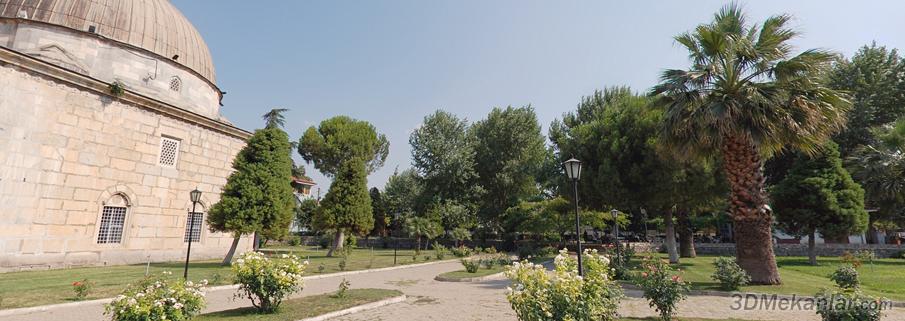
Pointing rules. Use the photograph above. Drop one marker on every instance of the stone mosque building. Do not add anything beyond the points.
(90, 175)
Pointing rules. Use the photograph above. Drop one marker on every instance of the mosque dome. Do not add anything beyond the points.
(153, 25)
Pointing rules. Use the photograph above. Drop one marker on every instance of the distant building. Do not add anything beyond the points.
(302, 188)
(109, 116)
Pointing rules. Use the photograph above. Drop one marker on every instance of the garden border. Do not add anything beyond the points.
(360, 308)
(43, 308)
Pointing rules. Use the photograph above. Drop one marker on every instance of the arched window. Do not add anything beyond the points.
(113, 220)
(175, 84)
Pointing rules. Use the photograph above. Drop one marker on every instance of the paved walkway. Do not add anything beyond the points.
(434, 300)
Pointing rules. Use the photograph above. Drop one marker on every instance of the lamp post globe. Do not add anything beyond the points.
(195, 196)
(572, 168)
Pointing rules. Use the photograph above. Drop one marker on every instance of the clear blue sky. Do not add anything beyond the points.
(393, 62)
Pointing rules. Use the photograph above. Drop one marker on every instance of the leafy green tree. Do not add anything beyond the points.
(744, 97)
(257, 196)
(875, 79)
(509, 149)
(402, 194)
(380, 213)
(616, 134)
(347, 206)
(880, 168)
(304, 212)
(422, 227)
(552, 219)
(818, 194)
(340, 139)
(443, 154)
(459, 235)
(454, 215)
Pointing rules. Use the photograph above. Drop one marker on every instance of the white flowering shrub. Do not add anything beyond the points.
(563, 295)
(266, 282)
(155, 298)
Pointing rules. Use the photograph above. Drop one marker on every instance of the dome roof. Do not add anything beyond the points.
(153, 25)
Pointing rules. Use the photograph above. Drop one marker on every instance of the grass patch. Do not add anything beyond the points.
(305, 307)
(462, 274)
(885, 278)
(34, 288)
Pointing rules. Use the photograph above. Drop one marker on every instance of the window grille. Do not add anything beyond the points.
(193, 227)
(175, 84)
(113, 219)
(169, 151)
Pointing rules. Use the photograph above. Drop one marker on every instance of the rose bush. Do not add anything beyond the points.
(266, 282)
(536, 295)
(663, 288)
(846, 277)
(729, 274)
(155, 298)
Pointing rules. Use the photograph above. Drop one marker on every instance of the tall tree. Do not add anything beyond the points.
(274, 118)
(304, 212)
(347, 206)
(340, 139)
(880, 168)
(745, 97)
(257, 196)
(444, 156)
(818, 194)
(380, 213)
(402, 194)
(509, 149)
(875, 79)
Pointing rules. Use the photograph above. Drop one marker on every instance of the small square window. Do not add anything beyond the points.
(169, 151)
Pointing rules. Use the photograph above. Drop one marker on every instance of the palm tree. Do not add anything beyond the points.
(275, 118)
(746, 97)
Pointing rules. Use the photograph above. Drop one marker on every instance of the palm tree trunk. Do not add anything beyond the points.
(686, 235)
(338, 239)
(671, 238)
(748, 207)
(228, 260)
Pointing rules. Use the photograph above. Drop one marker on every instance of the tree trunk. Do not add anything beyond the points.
(873, 236)
(686, 235)
(748, 206)
(228, 260)
(418, 245)
(338, 239)
(671, 238)
(812, 248)
(256, 243)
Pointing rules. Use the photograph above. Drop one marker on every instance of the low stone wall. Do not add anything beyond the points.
(880, 250)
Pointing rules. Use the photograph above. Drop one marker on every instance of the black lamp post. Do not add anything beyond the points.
(196, 197)
(615, 214)
(573, 170)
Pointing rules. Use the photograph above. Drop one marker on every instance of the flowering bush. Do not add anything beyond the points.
(81, 288)
(663, 288)
(848, 305)
(621, 259)
(471, 265)
(461, 251)
(154, 298)
(729, 274)
(563, 295)
(846, 277)
(267, 282)
(440, 251)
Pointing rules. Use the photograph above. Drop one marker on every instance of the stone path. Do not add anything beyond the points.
(434, 300)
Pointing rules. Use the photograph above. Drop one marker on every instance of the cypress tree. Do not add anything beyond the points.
(257, 196)
(347, 206)
(818, 194)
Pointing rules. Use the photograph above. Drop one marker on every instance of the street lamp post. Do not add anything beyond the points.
(615, 214)
(573, 170)
(196, 197)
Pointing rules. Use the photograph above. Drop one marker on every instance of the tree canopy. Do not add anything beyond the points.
(340, 139)
(347, 206)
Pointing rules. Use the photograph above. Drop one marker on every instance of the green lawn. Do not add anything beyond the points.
(462, 274)
(34, 288)
(885, 278)
(305, 307)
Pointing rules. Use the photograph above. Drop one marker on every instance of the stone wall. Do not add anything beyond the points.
(881, 250)
(65, 151)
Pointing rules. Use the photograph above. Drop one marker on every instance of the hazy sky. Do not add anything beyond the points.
(393, 62)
